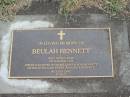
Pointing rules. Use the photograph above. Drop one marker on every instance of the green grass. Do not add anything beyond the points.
(114, 7)
(66, 6)
(111, 7)
(7, 9)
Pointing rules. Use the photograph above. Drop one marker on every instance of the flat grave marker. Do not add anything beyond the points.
(61, 53)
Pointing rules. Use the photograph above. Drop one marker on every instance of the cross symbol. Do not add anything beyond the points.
(61, 34)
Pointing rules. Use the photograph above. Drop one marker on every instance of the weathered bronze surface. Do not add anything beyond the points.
(61, 53)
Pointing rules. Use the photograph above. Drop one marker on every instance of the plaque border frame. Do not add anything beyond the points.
(60, 77)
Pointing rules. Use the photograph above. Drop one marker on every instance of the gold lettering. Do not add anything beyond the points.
(60, 51)
(33, 51)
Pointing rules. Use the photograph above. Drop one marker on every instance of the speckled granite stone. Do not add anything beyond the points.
(94, 85)
(121, 56)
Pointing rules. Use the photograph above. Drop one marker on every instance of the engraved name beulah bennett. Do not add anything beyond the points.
(36, 51)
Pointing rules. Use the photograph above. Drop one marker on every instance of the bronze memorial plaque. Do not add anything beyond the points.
(61, 53)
